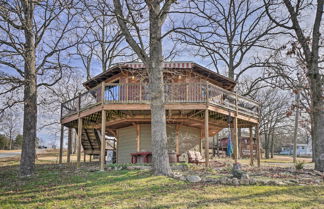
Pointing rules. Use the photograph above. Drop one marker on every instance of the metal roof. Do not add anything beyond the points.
(226, 82)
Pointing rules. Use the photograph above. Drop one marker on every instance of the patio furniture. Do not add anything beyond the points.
(195, 157)
(147, 156)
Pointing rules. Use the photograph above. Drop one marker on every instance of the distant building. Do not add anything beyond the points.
(244, 146)
(302, 149)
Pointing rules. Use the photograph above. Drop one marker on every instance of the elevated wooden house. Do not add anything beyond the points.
(198, 102)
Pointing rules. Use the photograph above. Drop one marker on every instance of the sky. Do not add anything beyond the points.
(51, 134)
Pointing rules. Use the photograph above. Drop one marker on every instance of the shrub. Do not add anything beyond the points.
(237, 171)
(299, 165)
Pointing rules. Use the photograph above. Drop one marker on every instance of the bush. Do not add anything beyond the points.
(299, 165)
(237, 171)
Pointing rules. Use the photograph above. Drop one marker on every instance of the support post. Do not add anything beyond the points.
(69, 149)
(140, 92)
(177, 139)
(236, 141)
(236, 145)
(251, 146)
(79, 142)
(74, 138)
(201, 141)
(84, 156)
(117, 137)
(206, 138)
(217, 138)
(102, 93)
(258, 145)
(138, 137)
(103, 140)
(61, 144)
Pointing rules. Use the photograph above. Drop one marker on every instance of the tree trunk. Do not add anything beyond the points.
(266, 145)
(27, 162)
(317, 87)
(318, 118)
(161, 164)
(272, 144)
(10, 141)
(313, 139)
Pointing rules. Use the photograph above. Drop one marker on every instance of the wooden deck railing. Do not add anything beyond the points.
(129, 93)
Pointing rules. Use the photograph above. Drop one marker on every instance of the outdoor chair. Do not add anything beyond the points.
(195, 157)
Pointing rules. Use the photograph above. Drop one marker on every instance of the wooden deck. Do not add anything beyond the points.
(109, 107)
(178, 96)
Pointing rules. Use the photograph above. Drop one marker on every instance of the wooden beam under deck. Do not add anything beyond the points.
(239, 116)
(116, 107)
(103, 141)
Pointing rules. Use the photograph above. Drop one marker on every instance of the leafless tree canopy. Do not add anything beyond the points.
(307, 36)
(229, 33)
(34, 39)
(53, 24)
(103, 42)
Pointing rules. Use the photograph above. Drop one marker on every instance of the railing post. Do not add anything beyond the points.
(79, 103)
(187, 92)
(140, 92)
(126, 84)
(207, 93)
(102, 93)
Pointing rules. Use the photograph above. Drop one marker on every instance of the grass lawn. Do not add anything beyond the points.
(60, 187)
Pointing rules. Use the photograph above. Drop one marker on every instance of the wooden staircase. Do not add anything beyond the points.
(91, 141)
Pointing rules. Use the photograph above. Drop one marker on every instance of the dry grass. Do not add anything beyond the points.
(6, 151)
(55, 186)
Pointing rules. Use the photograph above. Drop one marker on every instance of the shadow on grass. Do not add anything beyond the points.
(62, 185)
(266, 198)
(65, 186)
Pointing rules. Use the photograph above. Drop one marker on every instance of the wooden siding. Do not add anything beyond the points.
(126, 144)
(188, 139)
(146, 144)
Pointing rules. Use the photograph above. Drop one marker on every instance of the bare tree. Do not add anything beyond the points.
(233, 34)
(10, 125)
(51, 98)
(309, 52)
(34, 38)
(274, 105)
(130, 24)
(104, 42)
(287, 72)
